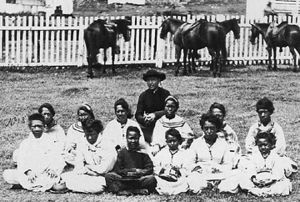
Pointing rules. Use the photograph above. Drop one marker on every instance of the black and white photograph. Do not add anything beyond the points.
(149, 100)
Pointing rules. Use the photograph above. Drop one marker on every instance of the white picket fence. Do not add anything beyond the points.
(35, 41)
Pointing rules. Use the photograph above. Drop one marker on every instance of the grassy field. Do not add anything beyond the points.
(238, 90)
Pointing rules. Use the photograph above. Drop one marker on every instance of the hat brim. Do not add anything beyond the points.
(160, 76)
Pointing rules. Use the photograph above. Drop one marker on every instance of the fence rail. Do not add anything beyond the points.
(36, 41)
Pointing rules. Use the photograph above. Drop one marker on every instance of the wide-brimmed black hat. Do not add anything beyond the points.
(154, 73)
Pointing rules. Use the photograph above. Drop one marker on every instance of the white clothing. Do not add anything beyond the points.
(272, 127)
(115, 134)
(214, 162)
(166, 160)
(92, 162)
(37, 155)
(163, 124)
(274, 164)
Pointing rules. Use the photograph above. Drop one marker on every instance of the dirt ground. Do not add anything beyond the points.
(233, 7)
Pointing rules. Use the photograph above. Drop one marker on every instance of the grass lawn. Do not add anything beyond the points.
(238, 90)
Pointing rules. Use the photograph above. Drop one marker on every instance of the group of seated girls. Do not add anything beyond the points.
(117, 159)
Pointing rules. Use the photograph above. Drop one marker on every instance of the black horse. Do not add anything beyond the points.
(280, 36)
(171, 25)
(101, 34)
(207, 34)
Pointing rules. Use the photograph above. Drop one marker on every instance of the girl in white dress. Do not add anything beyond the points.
(39, 163)
(214, 163)
(265, 175)
(172, 165)
(92, 162)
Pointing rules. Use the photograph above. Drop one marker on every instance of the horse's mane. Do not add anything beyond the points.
(175, 20)
(282, 23)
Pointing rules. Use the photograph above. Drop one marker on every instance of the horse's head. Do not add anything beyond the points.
(123, 28)
(255, 31)
(236, 28)
(165, 28)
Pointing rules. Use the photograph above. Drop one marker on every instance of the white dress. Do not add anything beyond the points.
(92, 162)
(37, 155)
(213, 163)
(163, 124)
(272, 127)
(115, 134)
(165, 160)
(274, 164)
(75, 136)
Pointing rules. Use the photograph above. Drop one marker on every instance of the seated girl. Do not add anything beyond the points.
(52, 130)
(114, 134)
(91, 163)
(39, 163)
(264, 109)
(265, 175)
(171, 165)
(214, 161)
(169, 120)
(75, 133)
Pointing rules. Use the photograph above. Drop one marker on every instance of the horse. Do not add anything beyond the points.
(171, 25)
(207, 34)
(286, 35)
(100, 34)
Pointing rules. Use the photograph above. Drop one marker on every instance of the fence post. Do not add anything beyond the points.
(160, 52)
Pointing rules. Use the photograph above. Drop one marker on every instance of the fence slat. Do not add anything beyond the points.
(35, 41)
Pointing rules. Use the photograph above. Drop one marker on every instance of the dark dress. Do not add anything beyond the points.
(123, 175)
(150, 102)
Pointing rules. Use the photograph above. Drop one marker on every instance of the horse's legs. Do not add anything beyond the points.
(275, 62)
(113, 49)
(177, 55)
(269, 49)
(218, 63)
(294, 57)
(295, 62)
(104, 61)
(91, 59)
(213, 61)
(184, 61)
(194, 55)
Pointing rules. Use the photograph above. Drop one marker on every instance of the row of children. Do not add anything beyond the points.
(91, 159)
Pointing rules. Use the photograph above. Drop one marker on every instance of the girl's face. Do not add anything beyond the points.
(37, 128)
(153, 82)
(172, 142)
(91, 135)
(47, 115)
(264, 146)
(121, 114)
(264, 116)
(83, 116)
(210, 131)
(170, 108)
(218, 113)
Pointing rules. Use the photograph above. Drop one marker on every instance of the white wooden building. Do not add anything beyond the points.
(255, 8)
(35, 6)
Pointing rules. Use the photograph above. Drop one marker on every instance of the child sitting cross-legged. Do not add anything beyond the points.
(92, 161)
(133, 170)
(172, 166)
(265, 175)
(39, 162)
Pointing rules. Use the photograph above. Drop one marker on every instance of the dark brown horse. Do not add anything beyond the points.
(281, 36)
(207, 34)
(171, 25)
(101, 34)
